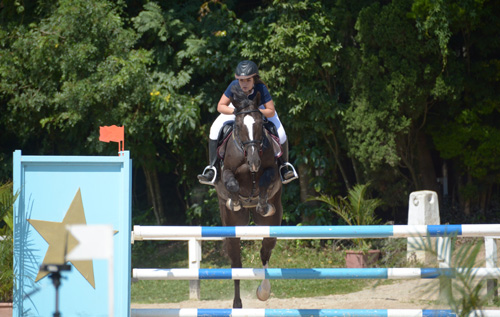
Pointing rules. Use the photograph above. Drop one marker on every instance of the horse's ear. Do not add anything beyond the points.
(257, 100)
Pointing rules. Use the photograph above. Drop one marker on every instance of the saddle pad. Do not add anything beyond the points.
(221, 150)
(275, 142)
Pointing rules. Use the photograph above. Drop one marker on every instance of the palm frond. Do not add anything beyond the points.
(7, 200)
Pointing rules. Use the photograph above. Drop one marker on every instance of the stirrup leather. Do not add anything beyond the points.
(295, 175)
(212, 182)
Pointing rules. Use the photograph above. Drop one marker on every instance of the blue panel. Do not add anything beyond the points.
(214, 312)
(437, 272)
(438, 313)
(215, 274)
(332, 231)
(429, 272)
(48, 185)
(340, 273)
(218, 232)
(444, 230)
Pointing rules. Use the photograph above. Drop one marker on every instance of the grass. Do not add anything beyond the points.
(287, 254)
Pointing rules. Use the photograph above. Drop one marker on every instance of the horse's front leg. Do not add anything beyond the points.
(263, 207)
(232, 246)
(233, 187)
(264, 289)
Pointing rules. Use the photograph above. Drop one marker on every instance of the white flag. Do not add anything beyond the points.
(95, 242)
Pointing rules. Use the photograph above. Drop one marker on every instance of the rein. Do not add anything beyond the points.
(246, 112)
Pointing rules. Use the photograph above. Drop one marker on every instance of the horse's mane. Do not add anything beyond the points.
(238, 93)
(240, 99)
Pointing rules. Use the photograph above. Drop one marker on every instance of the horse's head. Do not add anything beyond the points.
(248, 128)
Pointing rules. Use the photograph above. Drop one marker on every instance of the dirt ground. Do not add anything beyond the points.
(404, 294)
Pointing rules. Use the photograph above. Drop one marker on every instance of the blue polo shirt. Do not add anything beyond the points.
(265, 96)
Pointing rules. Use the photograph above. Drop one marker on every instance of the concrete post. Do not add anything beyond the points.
(423, 209)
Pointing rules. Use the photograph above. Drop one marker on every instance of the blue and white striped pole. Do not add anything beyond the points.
(313, 273)
(197, 312)
(383, 231)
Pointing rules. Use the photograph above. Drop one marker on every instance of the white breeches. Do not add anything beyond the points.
(223, 118)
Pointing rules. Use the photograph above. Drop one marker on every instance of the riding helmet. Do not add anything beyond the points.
(246, 69)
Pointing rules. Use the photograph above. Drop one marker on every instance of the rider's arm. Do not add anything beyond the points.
(269, 112)
(223, 105)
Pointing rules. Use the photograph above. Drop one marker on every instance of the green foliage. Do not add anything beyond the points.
(71, 73)
(204, 209)
(358, 85)
(356, 209)
(465, 131)
(7, 200)
(6, 265)
(464, 290)
(391, 80)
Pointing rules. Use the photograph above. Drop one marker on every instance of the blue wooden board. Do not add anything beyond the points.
(47, 187)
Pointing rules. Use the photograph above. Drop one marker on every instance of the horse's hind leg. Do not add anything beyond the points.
(264, 289)
(234, 253)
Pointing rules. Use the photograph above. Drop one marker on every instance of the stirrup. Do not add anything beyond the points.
(212, 182)
(295, 175)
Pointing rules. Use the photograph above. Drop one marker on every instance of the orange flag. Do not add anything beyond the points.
(113, 134)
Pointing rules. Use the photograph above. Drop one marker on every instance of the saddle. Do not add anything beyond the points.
(227, 130)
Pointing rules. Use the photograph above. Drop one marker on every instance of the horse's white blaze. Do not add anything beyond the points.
(249, 121)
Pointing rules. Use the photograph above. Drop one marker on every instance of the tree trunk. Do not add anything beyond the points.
(467, 201)
(427, 173)
(306, 192)
(335, 150)
(154, 194)
(304, 182)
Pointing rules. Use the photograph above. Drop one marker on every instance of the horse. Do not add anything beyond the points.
(249, 184)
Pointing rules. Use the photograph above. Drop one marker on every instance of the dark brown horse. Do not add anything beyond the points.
(249, 184)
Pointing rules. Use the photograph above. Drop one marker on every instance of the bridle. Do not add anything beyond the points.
(244, 145)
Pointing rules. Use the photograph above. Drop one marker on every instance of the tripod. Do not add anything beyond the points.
(55, 275)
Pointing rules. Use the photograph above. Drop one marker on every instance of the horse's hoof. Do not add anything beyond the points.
(266, 211)
(264, 290)
(236, 207)
(233, 206)
(237, 303)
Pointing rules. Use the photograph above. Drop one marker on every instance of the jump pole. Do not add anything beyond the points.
(194, 312)
(327, 232)
(310, 274)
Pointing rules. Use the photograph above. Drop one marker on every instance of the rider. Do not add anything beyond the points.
(247, 76)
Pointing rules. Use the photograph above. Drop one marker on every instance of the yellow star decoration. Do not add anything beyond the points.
(61, 242)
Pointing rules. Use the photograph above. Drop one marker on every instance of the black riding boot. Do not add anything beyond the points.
(287, 171)
(210, 172)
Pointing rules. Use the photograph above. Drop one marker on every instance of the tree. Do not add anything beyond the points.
(464, 123)
(390, 99)
(70, 73)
